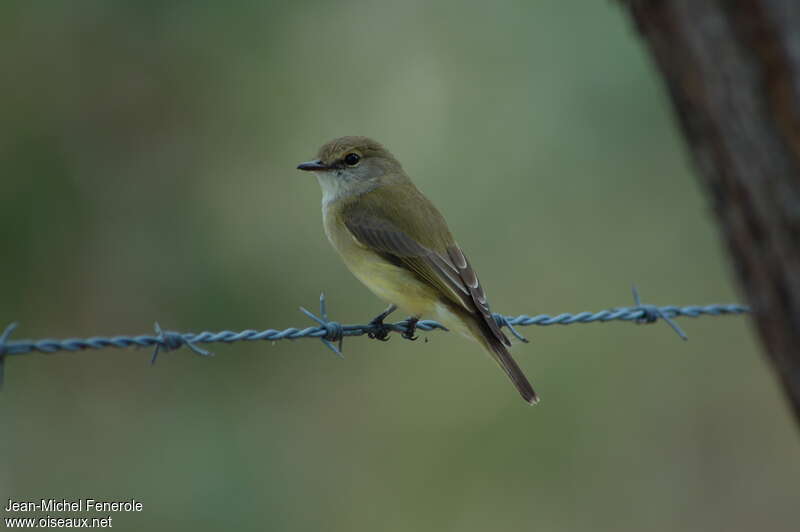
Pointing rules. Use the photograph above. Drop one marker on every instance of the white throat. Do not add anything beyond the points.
(333, 187)
(336, 186)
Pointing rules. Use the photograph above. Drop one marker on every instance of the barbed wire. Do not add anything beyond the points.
(332, 333)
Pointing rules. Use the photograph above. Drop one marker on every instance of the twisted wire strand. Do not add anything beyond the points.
(332, 333)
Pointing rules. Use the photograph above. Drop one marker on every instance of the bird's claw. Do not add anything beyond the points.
(411, 327)
(381, 331)
(381, 334)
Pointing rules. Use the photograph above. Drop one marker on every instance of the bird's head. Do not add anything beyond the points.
(352, 165)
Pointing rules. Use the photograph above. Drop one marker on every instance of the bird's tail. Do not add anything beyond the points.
(502, 356)
(498, 349)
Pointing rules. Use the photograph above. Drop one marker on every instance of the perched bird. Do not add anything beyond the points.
(398, 244)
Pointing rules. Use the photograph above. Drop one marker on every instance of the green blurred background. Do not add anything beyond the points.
(147, 155)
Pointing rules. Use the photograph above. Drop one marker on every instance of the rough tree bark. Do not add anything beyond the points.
(732, 68)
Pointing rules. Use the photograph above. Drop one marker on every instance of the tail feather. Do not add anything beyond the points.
(503, 357)
(475, 327)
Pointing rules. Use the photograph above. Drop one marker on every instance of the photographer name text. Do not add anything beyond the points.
(75, 505)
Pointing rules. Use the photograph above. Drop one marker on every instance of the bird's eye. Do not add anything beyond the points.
(351, 159)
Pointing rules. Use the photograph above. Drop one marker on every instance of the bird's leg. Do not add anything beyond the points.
(411, 327)
(382, 331)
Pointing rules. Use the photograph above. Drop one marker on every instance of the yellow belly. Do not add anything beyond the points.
(413, 297)
(393, 284)
(389, 282)
(384, 279)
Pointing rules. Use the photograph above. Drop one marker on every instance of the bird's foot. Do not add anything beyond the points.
(380, 330)
(411, 328)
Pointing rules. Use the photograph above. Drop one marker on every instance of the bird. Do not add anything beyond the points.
(398, 244)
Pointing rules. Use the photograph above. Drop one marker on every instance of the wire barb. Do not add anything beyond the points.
(171, 341)
(334, 331)
(651, 314)
(504, 321)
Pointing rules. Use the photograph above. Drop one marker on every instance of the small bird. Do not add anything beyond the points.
(398, 244)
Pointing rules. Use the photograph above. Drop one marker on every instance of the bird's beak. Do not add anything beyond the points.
(311, 166)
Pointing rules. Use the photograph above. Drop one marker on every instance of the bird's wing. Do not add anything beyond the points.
(438, 261)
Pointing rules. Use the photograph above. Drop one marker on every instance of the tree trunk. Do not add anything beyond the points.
(732, 69)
